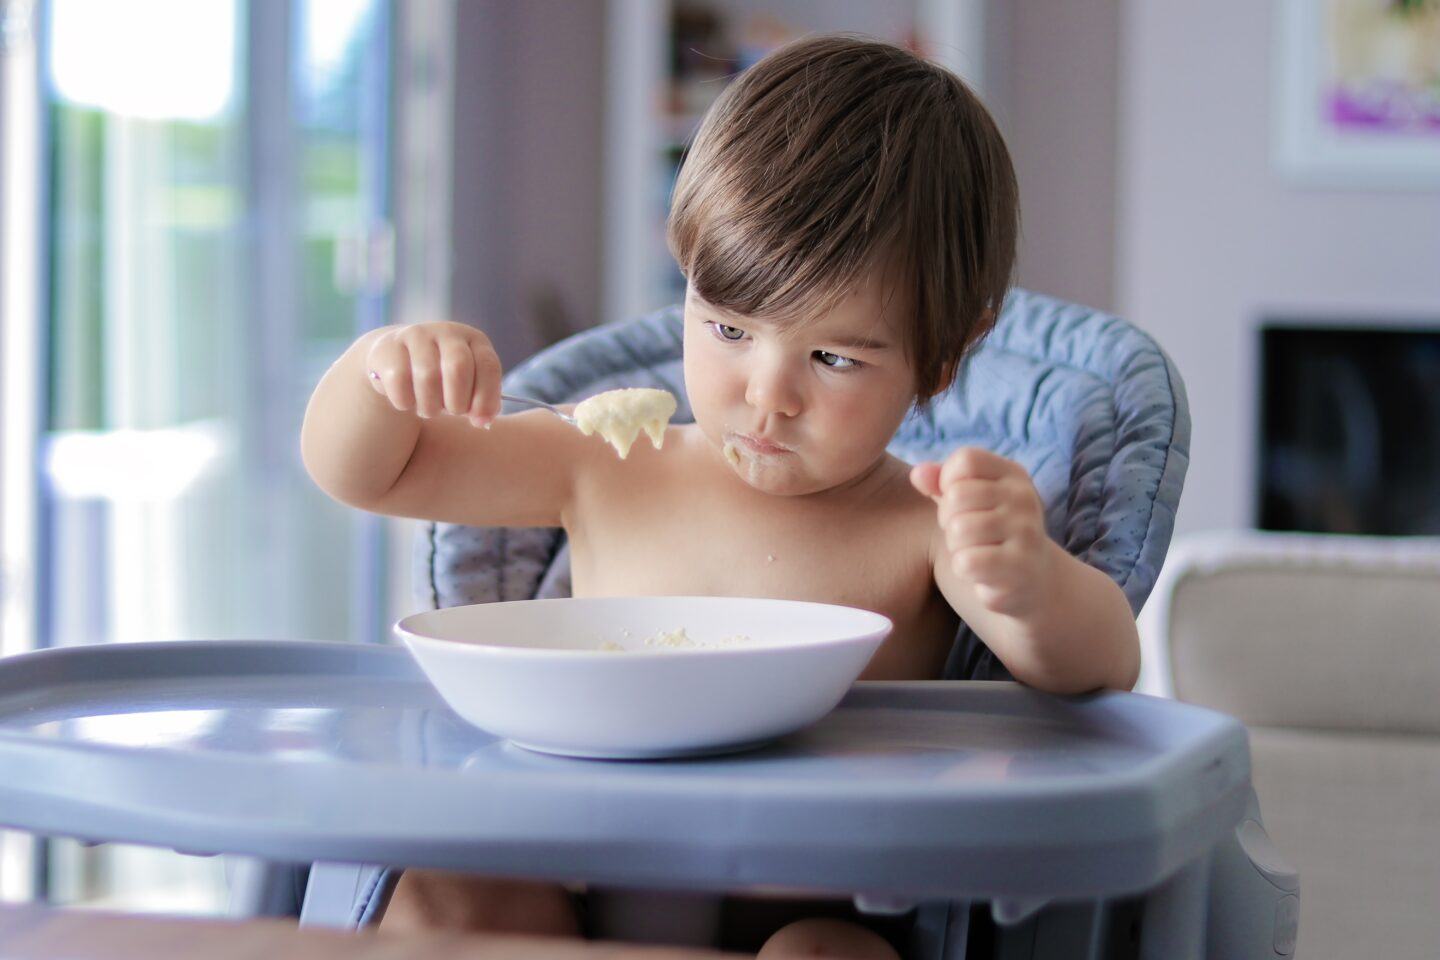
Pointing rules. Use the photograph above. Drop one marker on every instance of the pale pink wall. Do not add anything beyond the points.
(481, 214)
(527, 174)
(1212, 238)
(1057, 74)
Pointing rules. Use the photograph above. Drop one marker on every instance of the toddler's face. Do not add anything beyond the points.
(802, 406)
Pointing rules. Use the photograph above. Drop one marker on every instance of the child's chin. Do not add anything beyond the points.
(776, 480)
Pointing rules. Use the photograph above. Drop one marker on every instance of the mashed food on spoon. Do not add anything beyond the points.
(619, 416)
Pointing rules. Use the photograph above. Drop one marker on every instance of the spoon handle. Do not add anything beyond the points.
(539, 403)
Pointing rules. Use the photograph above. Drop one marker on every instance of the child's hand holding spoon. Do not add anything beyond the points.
(448, 367)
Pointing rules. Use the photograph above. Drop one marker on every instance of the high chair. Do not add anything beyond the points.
(1090, 405)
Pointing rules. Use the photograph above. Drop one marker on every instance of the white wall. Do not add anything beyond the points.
(1211, 238)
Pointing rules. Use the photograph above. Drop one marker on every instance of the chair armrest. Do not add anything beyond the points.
(1299, 630)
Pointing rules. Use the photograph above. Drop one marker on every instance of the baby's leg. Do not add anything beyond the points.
(826, 938)
(436, 899)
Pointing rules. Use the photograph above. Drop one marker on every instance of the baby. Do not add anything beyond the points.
(846, 220)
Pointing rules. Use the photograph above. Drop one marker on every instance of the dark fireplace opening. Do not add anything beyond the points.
(1349, 428)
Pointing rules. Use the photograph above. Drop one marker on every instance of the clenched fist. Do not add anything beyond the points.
(434, 368)
(994, 527)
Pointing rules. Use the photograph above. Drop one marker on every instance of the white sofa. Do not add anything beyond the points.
(1328, 649)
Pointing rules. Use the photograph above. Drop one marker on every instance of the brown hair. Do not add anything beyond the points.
(835, 155)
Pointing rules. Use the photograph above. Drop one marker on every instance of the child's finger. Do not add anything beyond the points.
(484, 404)
(390, 371)
(974, 463)
(925, 477)
(968, 494)
(425, 372)
(985, 564)
(380, 363)
(986, 529)
(457, 375)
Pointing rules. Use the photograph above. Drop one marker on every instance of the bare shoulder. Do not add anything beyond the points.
(900, 517)
(644, 459)
(604, 480)
(913, 511)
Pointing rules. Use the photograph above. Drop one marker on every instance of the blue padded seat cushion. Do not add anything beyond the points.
(1090, 405)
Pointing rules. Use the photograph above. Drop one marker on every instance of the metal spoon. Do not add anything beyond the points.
(540, 403)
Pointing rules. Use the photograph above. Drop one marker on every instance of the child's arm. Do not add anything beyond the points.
(393, 428)
(1057, 623)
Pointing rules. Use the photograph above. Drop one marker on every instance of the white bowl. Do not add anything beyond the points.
(533, 671)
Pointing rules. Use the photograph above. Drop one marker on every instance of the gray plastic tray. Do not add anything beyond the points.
(304, 751)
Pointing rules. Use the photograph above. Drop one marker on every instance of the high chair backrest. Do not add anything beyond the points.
(1090, 405)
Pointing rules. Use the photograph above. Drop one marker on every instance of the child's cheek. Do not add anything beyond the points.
(865, 417)
(850, 423)
(706, 382)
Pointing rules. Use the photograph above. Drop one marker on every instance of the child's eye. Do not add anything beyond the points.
(834, 361)
(725, 332)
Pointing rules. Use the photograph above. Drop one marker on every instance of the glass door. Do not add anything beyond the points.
(218, 231)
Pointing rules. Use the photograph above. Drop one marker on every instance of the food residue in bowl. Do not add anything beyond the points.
(677, 639)
(619, 416)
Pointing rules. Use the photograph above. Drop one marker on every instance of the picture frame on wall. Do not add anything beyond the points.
(1356, 100)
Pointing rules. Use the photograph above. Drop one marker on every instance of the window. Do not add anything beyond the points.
(217, 226)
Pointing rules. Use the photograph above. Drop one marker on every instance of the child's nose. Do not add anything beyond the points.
(771, 389)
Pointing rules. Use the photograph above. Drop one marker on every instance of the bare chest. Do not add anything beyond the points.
(681, 543)
(692, 551)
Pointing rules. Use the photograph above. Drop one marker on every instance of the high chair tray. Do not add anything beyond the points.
(307, 751)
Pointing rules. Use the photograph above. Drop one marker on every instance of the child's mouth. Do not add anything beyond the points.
(764, 448)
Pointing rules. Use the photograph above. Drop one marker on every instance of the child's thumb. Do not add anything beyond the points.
(925, 477)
